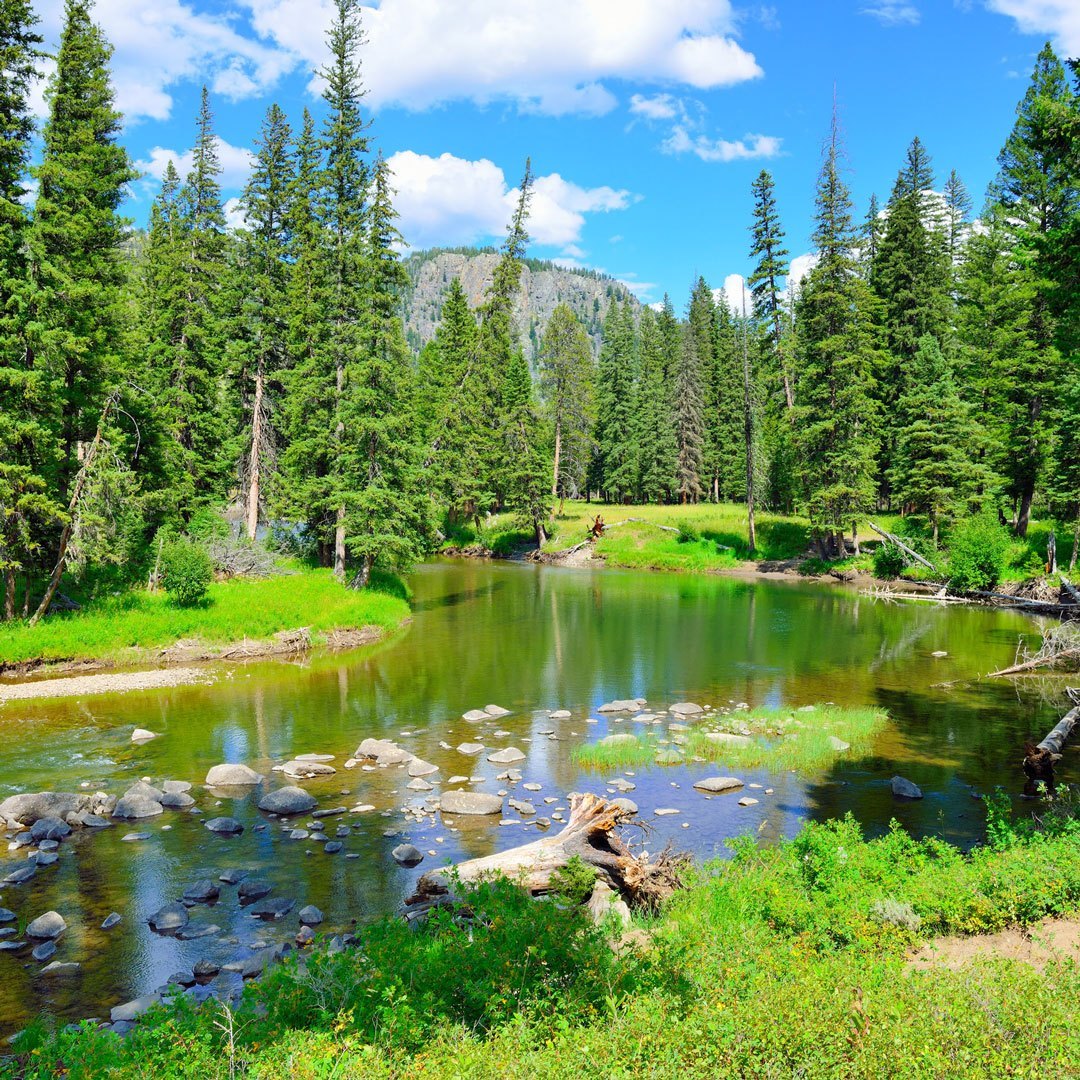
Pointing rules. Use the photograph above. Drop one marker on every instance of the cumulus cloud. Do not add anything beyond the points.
(449, 200)
(550, 56)
(800, 266)
(1059, 19)
(892, 13)
(656, 106)
(161, 44)
(683, 141)
(235, 163)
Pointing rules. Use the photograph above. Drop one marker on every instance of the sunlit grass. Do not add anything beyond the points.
(780, 740)
(236, 609)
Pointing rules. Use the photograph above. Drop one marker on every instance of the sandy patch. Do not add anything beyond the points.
(1038, 945)
(110, 683)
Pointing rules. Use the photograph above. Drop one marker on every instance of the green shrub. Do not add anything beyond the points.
(977, 550)
(889, 562)
(187, 572)
(573, 883)
(689, 533)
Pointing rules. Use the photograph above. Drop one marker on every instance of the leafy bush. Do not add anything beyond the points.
(977, 551)
(187, 572)
(689, 533)
(573, 883)
(889, 562)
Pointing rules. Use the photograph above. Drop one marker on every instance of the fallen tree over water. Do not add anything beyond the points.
(590, 835)
(1039, 759)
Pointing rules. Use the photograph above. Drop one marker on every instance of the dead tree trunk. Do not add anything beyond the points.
(1039, 759)
(911, 554)
(255, 464)
(589, 834)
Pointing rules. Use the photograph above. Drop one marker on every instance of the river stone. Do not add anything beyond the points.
(716, 784)
(627, 806)
(746, 800)
(193, 933)
(132, 837)
(142, 735)
(407, 855)
(224, 826)
(144, 787)
(905, 788)
(93, 821)
(470, 802)
(314, 757)
(12, 946)
(419, 785)
(45, 951)
(202, 892)
(58, 967)
(622, 705)
(50, 828)
(50, 925)
(232, 877)
(419, 767)
(232, 776)
(111, 921)
(7, 916)
(311, 915)
(136, 804)
(474, 716)
(525, 809)
(383, 751)
(560, 714)
(176, 800)
(305, 770)
(507, 756)
(168, 918)
(333, 847)
(205, 969)
(623, 739)
(23, 873)
(27, 808)
(726, 738)
(45, 858)
(288, 800)
(175, 787)
(496, 711)
(276, 907)
(470, 748)
(132, 1010)
(254, 889)
(665, 811)
(685, 708)
(838, 744)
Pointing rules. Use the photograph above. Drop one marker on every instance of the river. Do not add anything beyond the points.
(531, 639)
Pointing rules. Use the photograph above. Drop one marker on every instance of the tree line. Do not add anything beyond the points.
(151, 377)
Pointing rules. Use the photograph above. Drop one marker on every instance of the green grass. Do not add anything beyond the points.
(114, 627)
(788, 960)
(782, 739)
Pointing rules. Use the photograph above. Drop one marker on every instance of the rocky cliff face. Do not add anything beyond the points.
(543, 286)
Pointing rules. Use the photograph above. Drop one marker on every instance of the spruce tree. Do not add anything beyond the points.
(957, 216)
(654, 433)
(724, 414)
(689, 409)
(934, 471)
(839, 348)
(615, 468)
(870, 237)
(567, 383)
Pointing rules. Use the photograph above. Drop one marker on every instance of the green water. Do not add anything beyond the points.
(531, 639)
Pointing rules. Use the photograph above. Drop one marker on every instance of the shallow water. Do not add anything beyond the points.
(532, 639)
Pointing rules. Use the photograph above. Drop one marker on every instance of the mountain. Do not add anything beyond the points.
(543, 286)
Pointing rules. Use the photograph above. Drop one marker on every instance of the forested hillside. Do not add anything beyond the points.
(923, 365)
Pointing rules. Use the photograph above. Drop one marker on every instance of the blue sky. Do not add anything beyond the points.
(646, 120)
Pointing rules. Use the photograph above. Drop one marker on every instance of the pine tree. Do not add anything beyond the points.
(615, 469)
(724, 414)
(386, 516)
(76, 333)
(870, 237)
(654, 433)
(689, 421)
(957, 216)
(934, 471)
(771, 266)
(567, 383)
(264, 308)
(838, 349)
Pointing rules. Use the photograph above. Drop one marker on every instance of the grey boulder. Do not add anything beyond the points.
(50, 925)
(715, 784)
(407, 855)
(311, 915)
(905, 789)
(288, 800)
(169, 918)
(470, 802)
(135, 805)
(232, 776)
(224, 826)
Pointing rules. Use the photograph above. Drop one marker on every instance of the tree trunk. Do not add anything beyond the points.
(934, 523)
(1051, 553)
(339, 528)
(589, 835)
(1075, 546)
(555, 467)
(1024, 516)
(363, 575)
(748, 434)
(9, 592)
(73, 506)
(855, 537)
(254, 463)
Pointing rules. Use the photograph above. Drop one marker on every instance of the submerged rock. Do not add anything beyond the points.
(112, 920)
(496, 711)
(202, 892)
(304, 770)
(905, 789)
(142, 735)
(21, 874)
(474, 716)
(177, 800)
(622, 705)
(715, 784)
(224, 826)
(288, 800)
(275, 908)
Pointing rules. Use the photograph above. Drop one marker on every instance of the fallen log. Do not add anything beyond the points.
(910, 552)
(1039, 759)
(1036, 662)
(1071, 589)
(588, 834)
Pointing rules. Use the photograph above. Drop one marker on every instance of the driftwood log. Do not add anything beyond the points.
(589, 834)
(909, 552)
(1039, 758)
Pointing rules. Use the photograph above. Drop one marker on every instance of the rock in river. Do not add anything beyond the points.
(686, 708)
(275, 908)
(254, 889)
(26, 809)
(169, 918)
(905, 788)
(470, 802)
(50, 925)
(137, 804)
(304, 770)
(232, 776)
(111, 921)
(716, 784)
(407, 855)
(288, 800)
(21, 873)
(49, 828)
(142, 735)
(726, 737)
(202, 892)
(418, 768)
(311, 915)
(177, 800)
(224, 826)
(507, 756)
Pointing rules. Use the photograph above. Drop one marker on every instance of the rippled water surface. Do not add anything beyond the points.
(531, 639)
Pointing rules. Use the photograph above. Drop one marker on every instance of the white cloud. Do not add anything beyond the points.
(656, 106)
(157, 45)
(681, 141)
(551, 56)
(448, 200)
(894, 13)
(800, 266)
(732, 293)
(572, 251)
(234, 214)
(1059, 19)
(236, 163)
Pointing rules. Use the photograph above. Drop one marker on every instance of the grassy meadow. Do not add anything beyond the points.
(113, 628)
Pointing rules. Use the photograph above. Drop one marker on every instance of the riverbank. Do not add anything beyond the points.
(715, 984)
(242, 618)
